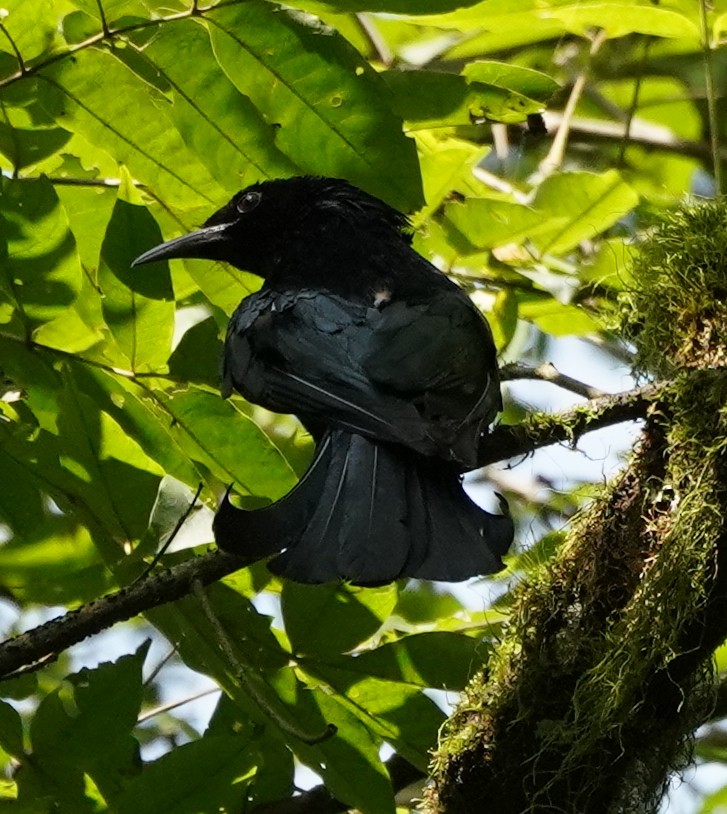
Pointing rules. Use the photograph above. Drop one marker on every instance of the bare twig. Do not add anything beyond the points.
(377, 42)
(102, 36)
(640, 133)
(169, 706)
(555, 156)
(175, 531)
(549, 373)
(22, 70)
(633, 106)
(104, 24)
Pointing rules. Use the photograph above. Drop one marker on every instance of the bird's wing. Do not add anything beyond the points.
(440, 355)
(302, 352)
(443, 345)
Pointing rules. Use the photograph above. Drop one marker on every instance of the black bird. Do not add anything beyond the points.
(386, 362)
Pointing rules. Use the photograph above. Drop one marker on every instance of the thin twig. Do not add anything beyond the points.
(21, 62)
(163, 549)
(549, 373)
(378, 43)
(102, 15)
(633, 106)
(162, 708)
(556, 154)
(711, 97)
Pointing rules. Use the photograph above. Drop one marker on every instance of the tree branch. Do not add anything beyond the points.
(549, 373)
(543, 429)
(40, 645)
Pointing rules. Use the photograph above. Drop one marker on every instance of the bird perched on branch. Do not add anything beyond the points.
(386, 362)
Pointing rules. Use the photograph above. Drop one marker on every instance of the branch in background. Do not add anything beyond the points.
(549, 373)
(640, 133)
(556, 154)
(40, 645)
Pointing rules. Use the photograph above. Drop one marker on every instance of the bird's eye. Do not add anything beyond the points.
(248, 201)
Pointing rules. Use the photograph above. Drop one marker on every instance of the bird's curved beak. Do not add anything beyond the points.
(204, 244)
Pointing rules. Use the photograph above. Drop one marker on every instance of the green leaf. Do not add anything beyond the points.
(222, 284)
(555, 318)
(431, 99)
(138, 303)
(333, 618)
(587, 203)
(11, 730)
(141, 416)
(39, 269)
(399, 714)
(31, 27)
(390, 6)
(349, 761)
(443, 661)
(488, 222)
(274, 778)
(234, 448)
(117, 481)
(524, 81)
(216, 121)
(24, 146)
(330, 108)
(130, 122)
(86, 726)
(89, 210)
(198, 355)
(203, 777)
(503, 318)
(50, 558)
(618, 19)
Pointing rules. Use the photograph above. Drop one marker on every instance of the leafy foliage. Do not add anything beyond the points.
(123, 122)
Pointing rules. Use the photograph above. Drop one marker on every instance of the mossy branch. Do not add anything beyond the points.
(592, 696)
(543, 429)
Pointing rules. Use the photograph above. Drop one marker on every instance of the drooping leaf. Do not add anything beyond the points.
(137, 303)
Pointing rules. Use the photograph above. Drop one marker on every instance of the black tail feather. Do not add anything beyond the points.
(370, 513)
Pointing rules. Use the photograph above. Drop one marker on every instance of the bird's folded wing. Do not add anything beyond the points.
(303, 353)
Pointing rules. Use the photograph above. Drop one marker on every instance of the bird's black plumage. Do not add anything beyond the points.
(384, 359)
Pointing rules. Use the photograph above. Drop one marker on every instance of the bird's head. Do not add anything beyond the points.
(266, 223)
